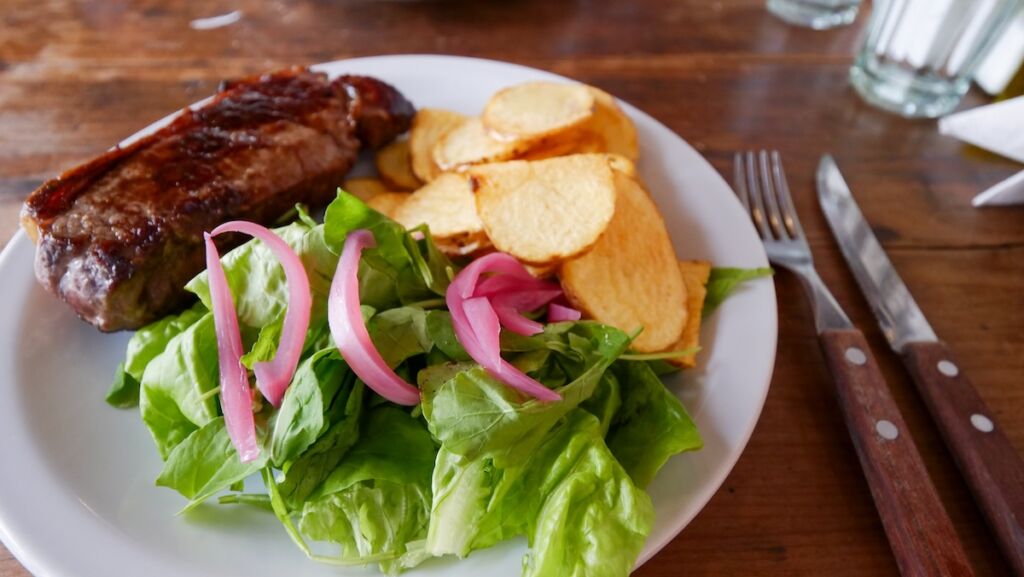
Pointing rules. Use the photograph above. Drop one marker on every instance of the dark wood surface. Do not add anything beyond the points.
(920, 532)
(76, 77)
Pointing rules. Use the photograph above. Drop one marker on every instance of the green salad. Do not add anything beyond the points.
(473, 464)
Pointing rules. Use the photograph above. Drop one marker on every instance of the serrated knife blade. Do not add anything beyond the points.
(898, 315)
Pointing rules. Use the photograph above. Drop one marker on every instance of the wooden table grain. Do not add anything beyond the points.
(77, 76)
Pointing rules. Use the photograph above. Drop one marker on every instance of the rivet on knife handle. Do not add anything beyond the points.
(919, 530)
(988, 461)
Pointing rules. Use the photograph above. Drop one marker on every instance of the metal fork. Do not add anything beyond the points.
(919, 530)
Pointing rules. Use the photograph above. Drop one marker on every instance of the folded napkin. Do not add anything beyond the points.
(998, 128)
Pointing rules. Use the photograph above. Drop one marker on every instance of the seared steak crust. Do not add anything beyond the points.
(119, 236)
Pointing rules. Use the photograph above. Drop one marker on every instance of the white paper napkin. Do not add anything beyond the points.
(998, 128)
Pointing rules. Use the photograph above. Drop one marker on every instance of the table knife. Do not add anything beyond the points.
(993, 469)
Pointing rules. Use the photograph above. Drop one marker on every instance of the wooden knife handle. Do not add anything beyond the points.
(919, 531)
(993, 469)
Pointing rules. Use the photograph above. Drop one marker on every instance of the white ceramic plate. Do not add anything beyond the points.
(77, 496)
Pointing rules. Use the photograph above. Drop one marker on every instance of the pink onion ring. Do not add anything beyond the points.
(558, 313)
(509, 307)
(481, 347)
(235, 395)
(483, 321)
(349, 330)
(274, 376)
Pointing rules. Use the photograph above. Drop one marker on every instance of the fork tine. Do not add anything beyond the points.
(740, 181)
(756, 201)
(771, 205)
(789, 216)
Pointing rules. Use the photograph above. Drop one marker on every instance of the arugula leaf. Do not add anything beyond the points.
(400, 333)
(651, 426)
(205, 463)
(723, 281)
(176, 395)
(300, 419)
(305, 474)
(442, 334)
(378, 500)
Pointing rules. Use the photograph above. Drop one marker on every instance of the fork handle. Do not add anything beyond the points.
(992, 467)
(919, 530)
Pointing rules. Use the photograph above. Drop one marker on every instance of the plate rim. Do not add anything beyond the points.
(46, 565)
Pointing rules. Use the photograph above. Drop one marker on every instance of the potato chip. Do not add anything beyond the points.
(545, 211)
(620, 163)
(394, 166)
(387, 203)
(428, 126)
(534, 110)
(446, 205)
(470, 143)
(365, 188)
(542, 271)
(469, 245)
(630, 279)
(610, 124)
(695, 278)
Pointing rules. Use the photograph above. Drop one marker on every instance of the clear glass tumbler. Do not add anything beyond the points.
(817, 14)
(919, 55)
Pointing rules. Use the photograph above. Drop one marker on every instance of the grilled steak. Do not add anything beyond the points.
(119, 236)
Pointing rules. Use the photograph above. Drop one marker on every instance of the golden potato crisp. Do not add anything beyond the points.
(545, 211)
(535, 110)
(446, 205)
(630, 278)
(387, 203)
(428, 126)
(394, 166)
(695, 278)
(470, 143)
(365, 188)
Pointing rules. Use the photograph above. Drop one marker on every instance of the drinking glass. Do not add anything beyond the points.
(817, 14)
(919, 55)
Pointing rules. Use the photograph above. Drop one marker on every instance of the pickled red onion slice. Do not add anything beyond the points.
(349, 330)
(274, 376)
(558, 313)
(235, 396)
(509, 307)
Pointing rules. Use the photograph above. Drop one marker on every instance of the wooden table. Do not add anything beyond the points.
(76, 77)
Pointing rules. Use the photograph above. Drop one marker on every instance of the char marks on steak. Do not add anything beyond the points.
(119, 236)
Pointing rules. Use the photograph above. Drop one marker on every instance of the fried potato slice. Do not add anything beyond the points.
(695, 278)
(620, 163)
(446, 205)
(545, 211)
(631, 278)
(535, 110)
(394, 166)
(365, 188)
(610, 125)
(470, 143)
(387, 203)
(428, 126)
(476, 245)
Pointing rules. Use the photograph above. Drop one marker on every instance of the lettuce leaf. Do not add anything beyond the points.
(205, 463)
(593, 520)
(177, 393)
(651, 426)
(471, 413)
(378, 499)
